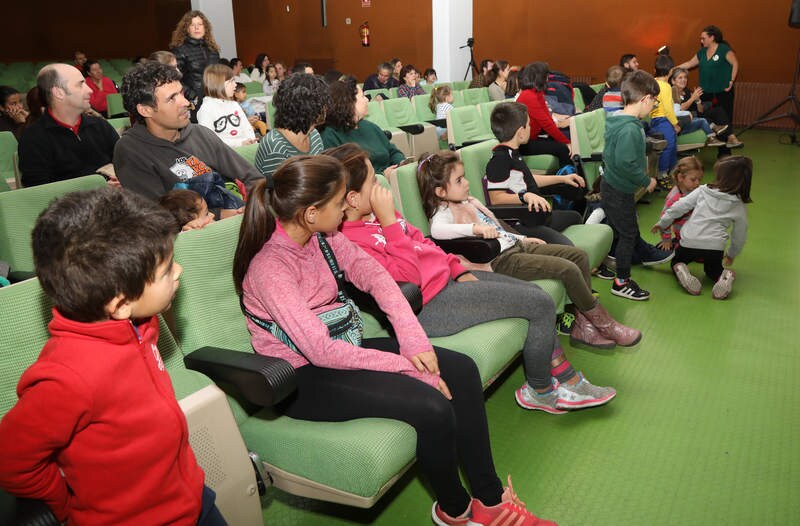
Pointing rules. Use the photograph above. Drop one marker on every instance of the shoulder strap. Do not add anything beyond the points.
(334, 265)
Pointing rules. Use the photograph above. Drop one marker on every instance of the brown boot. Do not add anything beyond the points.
(583, 332)
(611, 328)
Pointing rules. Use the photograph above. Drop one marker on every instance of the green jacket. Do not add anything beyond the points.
(624, 154)
(371, 138)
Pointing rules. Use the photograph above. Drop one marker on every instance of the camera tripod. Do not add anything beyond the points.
(471, 65)
(794, 107)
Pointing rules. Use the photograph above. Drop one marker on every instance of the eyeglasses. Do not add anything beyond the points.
(656, 102)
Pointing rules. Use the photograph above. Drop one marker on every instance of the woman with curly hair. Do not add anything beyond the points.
(345, 123)
(300, 105)
(409, 82)
(194, 47)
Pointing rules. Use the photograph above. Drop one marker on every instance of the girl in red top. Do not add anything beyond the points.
(533, 83)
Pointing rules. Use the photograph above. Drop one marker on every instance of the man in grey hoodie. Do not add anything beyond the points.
(163, 147)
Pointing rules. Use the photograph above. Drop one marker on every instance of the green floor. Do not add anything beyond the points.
(706, 426)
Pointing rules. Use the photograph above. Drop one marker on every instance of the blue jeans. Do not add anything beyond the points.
(698, 123)
(669, 157)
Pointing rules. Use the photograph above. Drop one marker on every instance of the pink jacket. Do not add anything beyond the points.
(672, 197)
(290, 284)
(406, 254)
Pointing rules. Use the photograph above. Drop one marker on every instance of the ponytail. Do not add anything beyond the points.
(300, 182)
(258, 225)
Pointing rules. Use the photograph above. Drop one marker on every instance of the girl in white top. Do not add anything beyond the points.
(219, 112)
(271, 83)
(441, 103)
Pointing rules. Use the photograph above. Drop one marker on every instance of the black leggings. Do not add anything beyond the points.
(447, 430)
(712, 259)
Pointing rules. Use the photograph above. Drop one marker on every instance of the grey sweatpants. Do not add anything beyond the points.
(461, 305)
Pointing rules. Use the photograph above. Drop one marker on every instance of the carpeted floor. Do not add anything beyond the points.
(706, 426)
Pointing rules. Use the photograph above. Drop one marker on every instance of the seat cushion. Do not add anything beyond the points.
(594, 239)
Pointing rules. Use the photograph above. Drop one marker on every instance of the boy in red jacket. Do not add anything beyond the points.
(97, 433)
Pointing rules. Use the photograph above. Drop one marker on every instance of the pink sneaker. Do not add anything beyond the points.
(440, 518)
(510, 511)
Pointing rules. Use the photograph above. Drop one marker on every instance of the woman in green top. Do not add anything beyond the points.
(718, 70)
(344, 122)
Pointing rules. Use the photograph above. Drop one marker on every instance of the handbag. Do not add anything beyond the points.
(344, 322)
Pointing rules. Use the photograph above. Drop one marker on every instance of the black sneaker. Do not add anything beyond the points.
(656, 256)
(564, 323)
(603, 272)
(629, 289)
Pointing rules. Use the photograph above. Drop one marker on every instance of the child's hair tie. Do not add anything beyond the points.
(426, 159)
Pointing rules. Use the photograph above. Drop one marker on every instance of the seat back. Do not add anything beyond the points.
(485, 109)
(473, 96)
(404, 182)
(371, 93)
(475, 158)
(577, 99)
(399, 112)
(121, 124)
(378, 117)
(458, 98)
(461, 84)
(20, 209)
(8, 149)
(464, 124)
(254, 88)
(587, 135)
(115, 106)
(248, 152)
(422, 108)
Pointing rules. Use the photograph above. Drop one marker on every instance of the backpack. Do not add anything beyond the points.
(558, 93)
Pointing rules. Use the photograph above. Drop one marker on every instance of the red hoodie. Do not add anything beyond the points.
(98, 406)
(406, 254)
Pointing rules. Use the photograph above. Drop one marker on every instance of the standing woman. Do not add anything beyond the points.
(194, 48)
(718, 70)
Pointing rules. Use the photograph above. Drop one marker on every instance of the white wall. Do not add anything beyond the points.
(452, 25)
(220, 13)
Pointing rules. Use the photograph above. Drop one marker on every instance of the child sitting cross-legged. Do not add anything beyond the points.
(454, 214)
(97, 433)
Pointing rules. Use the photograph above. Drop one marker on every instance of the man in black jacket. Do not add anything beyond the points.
(64, 143)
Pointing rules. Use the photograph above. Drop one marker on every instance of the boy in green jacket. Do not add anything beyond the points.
(625, 173)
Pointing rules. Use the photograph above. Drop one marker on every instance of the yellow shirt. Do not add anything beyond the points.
(665, 107)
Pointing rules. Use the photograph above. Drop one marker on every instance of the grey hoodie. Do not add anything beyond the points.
(151, 166)
(707, 227)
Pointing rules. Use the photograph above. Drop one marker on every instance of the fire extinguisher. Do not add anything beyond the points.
(364, 32)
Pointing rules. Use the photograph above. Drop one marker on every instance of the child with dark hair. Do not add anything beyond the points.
(255, 118)
(533, 84)
(715, 208)
(99, 395)
(188, 208)
(626, 172)
(510, 181)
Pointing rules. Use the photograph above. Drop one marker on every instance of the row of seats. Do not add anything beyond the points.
(349, 462)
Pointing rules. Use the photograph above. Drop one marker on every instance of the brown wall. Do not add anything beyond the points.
(401, 29)
(589, 36)
(54, 29)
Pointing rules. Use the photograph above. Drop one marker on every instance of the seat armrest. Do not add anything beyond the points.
(261, 380)
(475, 249)
(441, 123)
(367, 303)
(413, 129)
(25, 512)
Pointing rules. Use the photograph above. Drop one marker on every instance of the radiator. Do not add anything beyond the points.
(753, 99)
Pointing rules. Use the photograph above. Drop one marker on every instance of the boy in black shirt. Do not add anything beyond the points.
(510, 181)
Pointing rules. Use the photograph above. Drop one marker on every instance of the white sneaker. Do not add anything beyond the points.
(690, 283)
(724, 285)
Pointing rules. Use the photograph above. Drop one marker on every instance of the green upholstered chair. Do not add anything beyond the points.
(594, 239)
(19, 210)
(213, 435)
(577, 99)
(121, 124)
(485, 109)
(688, 142)
(254, 89)
(399, 138)
(8, 155)
(248, 152)
(422, 108)
(352, 462)
(474, 96)
(421, 135)
(270, 114)
(465, 126)
(587, 135)
(115, 106)
(461, 85)
(597, 87)
(371, 93)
